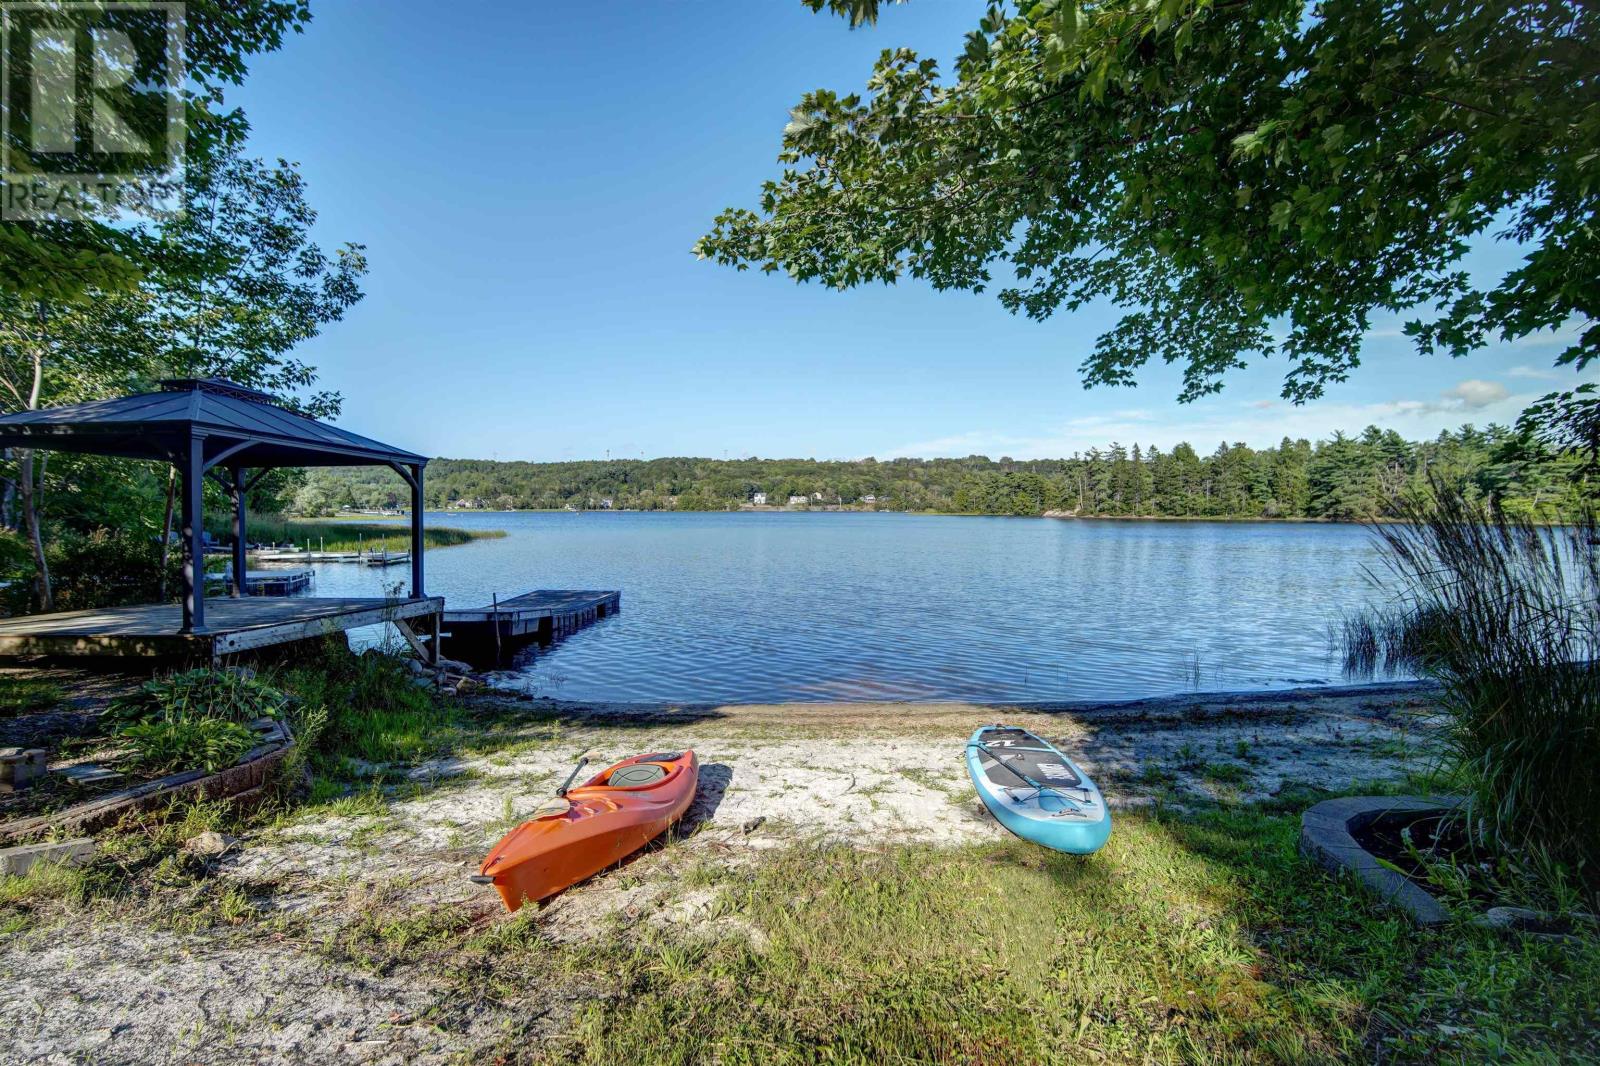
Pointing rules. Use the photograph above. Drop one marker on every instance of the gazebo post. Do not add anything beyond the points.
(239, 572)
(194, 551)
(416, 531)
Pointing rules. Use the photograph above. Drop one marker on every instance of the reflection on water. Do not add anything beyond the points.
(774, 606)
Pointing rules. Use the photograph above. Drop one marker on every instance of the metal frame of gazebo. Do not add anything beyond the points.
(216, 428)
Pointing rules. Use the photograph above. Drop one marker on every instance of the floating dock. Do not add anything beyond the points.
(386, 558)
(493, 634)
(285, 555)
(268, 582)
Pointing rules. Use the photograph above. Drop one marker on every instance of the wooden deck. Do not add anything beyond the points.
(493, 632)
(232, 626)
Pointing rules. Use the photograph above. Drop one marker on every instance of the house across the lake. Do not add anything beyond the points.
(799, 501)
(759, 499)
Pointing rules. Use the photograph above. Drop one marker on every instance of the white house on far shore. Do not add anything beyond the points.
(799, 501)
(759, 499)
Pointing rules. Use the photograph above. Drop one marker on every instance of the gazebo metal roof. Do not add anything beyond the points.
(244, 426)
(212, 426)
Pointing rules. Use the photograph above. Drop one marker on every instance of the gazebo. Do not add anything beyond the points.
(209, 427)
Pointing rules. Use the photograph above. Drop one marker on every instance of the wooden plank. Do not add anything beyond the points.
(411, 638)
(284, 633)
(153, 630)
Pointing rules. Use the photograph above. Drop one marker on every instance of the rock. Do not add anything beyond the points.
(1541, 924)
(422, 682)
(454, 666)
(18, 860)
(468, 685)
(21, 767)
(414, 665)
(210, 843)
(88, 774)
(243, 672)
(752, 824)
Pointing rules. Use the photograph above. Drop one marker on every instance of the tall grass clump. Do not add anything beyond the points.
(346, 535)
(1505, 614)
(367, 707)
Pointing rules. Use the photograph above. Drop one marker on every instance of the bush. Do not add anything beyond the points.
(209, 744)
(365, 707)
(196, 719)
(104, 568)
(1505, 614)
(228, 695)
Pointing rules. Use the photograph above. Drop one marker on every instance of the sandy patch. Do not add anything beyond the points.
(112, 994)
(770, 775)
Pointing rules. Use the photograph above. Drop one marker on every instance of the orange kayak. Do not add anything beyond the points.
(605, 819)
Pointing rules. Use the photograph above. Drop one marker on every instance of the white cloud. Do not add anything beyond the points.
(1533, 373)
(1475, 393)
(1563, 335)
(1207, 424)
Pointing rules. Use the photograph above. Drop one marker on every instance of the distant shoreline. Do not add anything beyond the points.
(1282, 519)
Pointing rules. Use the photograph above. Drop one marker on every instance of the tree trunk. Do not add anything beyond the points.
(30, 491)
(8, 496)
(30, 516)
(166, 531)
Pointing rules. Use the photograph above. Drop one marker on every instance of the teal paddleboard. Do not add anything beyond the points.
(1035, 791)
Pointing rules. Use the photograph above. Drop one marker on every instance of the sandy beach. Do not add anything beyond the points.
(262, 969)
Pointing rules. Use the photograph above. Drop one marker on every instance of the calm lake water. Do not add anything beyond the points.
(774, 606)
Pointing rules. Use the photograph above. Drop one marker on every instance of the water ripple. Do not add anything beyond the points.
(769, 607)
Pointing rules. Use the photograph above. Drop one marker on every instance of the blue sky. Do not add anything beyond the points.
(529, 180)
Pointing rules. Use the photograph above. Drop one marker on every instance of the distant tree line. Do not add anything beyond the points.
(1342, 478)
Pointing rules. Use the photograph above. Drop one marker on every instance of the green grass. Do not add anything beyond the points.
(1202, 937)
(1205, 940)
(349, 535)
(365, 707)
(1226, 773)
(19, 695)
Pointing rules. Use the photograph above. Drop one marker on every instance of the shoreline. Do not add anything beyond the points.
(349, 919)
(752, 509)
(1137, 707)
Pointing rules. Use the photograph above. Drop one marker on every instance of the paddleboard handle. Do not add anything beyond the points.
(481, 879)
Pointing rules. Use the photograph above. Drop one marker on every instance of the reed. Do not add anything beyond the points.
(344, 536)
(1505, 615)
